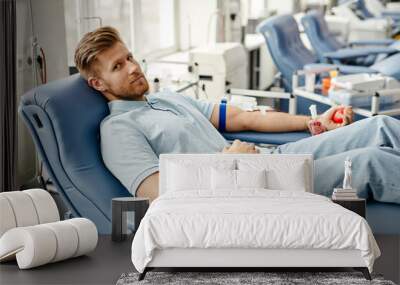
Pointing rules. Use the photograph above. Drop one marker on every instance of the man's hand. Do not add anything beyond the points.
(241, 147)
(329, 124)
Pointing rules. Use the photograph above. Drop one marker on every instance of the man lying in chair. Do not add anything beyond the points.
(140, 127)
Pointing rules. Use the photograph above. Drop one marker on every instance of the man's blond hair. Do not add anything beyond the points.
(91, 45)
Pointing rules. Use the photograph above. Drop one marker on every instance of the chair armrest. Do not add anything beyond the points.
(353, 69)
(266, 94)
(392, 14)
(317, 68)
(258, 93)
(358, 52)
(344, 54)
(264, 138)
(371, 42)
(379, 50)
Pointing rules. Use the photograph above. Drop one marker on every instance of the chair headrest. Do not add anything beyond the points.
(285, 45)
(76, 110)
(319, 35)
(64, 117)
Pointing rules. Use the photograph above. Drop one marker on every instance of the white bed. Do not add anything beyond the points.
(248, 227)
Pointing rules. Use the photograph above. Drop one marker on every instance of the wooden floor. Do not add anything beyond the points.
(106, 264)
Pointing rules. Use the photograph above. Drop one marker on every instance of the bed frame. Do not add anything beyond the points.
(246, 259)
(242, 259)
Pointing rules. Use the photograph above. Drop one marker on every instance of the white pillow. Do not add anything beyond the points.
(224, 179)
(282, 174)
(251, 178)
(186, 175)
(293, 180)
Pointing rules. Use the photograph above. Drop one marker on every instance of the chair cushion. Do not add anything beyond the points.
(266, 138)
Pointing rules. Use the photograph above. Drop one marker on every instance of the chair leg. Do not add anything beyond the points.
(364, 271)
(142, 275)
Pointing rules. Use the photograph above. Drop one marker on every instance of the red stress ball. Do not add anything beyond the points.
(338, 116)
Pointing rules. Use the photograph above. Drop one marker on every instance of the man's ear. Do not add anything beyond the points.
(96, 83)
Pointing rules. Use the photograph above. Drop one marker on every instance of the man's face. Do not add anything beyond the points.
(119, 76)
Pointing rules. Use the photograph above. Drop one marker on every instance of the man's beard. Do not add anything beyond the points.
(134, 95)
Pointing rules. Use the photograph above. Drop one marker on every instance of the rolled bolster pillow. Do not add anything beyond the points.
(45, 206)
(22, 208)
(40, 244)
(26, 208)
(67, 240)
(7, 218)
(87, 235)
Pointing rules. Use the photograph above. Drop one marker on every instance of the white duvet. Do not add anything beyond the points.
(250, 219)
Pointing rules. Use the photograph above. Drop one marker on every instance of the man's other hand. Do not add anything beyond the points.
(329, 124)
(240, 147)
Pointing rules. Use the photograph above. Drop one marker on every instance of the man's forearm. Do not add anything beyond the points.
(268, 122)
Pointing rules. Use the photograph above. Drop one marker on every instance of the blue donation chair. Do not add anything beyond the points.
(329, 49)
(64, 118)
(290, 55)
(363, 12)
(366, 13)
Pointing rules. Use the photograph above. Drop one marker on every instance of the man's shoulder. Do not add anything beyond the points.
(173, 97)
(110, 118)
(165, 95)
(117, 122)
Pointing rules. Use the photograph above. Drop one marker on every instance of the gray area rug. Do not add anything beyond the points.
(228, 278)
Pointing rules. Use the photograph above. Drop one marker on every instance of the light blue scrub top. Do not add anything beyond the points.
(136, 132)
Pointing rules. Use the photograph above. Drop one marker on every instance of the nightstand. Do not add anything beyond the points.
(356, 205)
(120, 207)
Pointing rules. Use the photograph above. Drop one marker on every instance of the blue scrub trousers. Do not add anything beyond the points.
(372, 144)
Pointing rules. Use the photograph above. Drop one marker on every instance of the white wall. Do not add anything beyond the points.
(49, 27)
(48, 16)
(283, 6)
(194, 19)
(25, 81)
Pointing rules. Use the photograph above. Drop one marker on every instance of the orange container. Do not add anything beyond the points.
(326, 83)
